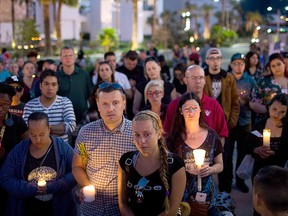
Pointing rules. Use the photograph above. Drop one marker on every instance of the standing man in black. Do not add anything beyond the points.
(135, 74)
(221, 86)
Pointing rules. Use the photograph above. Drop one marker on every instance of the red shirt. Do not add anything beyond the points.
(213, 115)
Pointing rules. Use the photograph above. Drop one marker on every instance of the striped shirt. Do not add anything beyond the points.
(60, 111)
(104, 148)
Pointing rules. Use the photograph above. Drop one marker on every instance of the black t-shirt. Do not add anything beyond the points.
(12, 134)
(41, 204)
(154, 191)
(17, 110)
(216, 86)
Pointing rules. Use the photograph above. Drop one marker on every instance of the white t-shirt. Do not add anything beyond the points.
(120, 78)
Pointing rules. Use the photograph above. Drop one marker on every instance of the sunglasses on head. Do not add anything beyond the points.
(18, 88)
(115, 86)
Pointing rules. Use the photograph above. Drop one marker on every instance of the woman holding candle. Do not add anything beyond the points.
(275, 152)
(37, 173)
(151, 181)
(189, 132)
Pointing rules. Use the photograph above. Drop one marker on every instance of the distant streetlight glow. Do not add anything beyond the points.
(269, 31)
(286, 8)
(258, 28)
(269, 8)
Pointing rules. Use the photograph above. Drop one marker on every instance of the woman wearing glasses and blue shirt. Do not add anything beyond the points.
(151, 181)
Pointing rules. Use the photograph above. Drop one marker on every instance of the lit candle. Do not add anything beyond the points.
(41, 183)
(266, 137)
(89, 193)
(199, 156)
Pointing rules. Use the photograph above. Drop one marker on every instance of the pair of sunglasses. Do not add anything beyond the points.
(139, 187)
(18, 88)
(105, 85)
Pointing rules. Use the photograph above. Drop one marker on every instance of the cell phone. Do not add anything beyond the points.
(201, 197)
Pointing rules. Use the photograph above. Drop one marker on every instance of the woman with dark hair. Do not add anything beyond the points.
(253, 67)
(151, 180)
(270, 85)
(105, 73)
(190, 132)
(179, 74)
(276, 121)
(152, 72)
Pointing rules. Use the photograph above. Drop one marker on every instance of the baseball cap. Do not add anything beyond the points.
(194, 56)
(237, 56)
(212, 51)
(14, 79)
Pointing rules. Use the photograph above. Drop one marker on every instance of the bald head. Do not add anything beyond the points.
(195, 80)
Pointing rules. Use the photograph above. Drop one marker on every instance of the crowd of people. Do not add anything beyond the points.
(131, 129)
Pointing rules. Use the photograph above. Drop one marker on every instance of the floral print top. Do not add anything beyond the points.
(265, 90)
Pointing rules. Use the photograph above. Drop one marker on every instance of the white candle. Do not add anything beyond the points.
(199, 156)
(266, 137)
(41, 183)
(89, 193)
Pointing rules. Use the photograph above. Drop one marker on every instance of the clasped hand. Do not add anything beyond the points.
(264, 151)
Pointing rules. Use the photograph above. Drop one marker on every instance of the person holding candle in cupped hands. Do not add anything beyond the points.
(190, 132)
(274, 152)
(37, 173)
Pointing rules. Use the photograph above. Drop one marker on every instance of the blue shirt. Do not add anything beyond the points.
(244, 87)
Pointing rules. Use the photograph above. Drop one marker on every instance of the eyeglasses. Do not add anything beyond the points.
(105, 85)
(18, 88)
(196, 77)
(215, 58)
(139, 187)
(4, 106)
(155, 93)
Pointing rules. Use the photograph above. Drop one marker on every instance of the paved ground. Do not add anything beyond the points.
(243, 201)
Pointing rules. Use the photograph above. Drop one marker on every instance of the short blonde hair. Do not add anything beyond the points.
(151, 83)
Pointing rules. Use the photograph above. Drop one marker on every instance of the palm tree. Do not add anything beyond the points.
(13, 23)
(206, 14)
(254, 19)
(46, 13)
(71, 3)
(135, 25)
(192, 8)
(154, 18)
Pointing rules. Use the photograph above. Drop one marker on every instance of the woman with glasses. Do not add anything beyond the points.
(154, 92)
(269, 85)
(190, 132)
(13, 129)
(153, 72)
(29, 79)
(151, 180)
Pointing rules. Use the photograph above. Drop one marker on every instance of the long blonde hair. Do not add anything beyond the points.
(157, 124)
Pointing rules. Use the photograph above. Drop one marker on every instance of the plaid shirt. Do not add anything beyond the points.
(105, 149)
